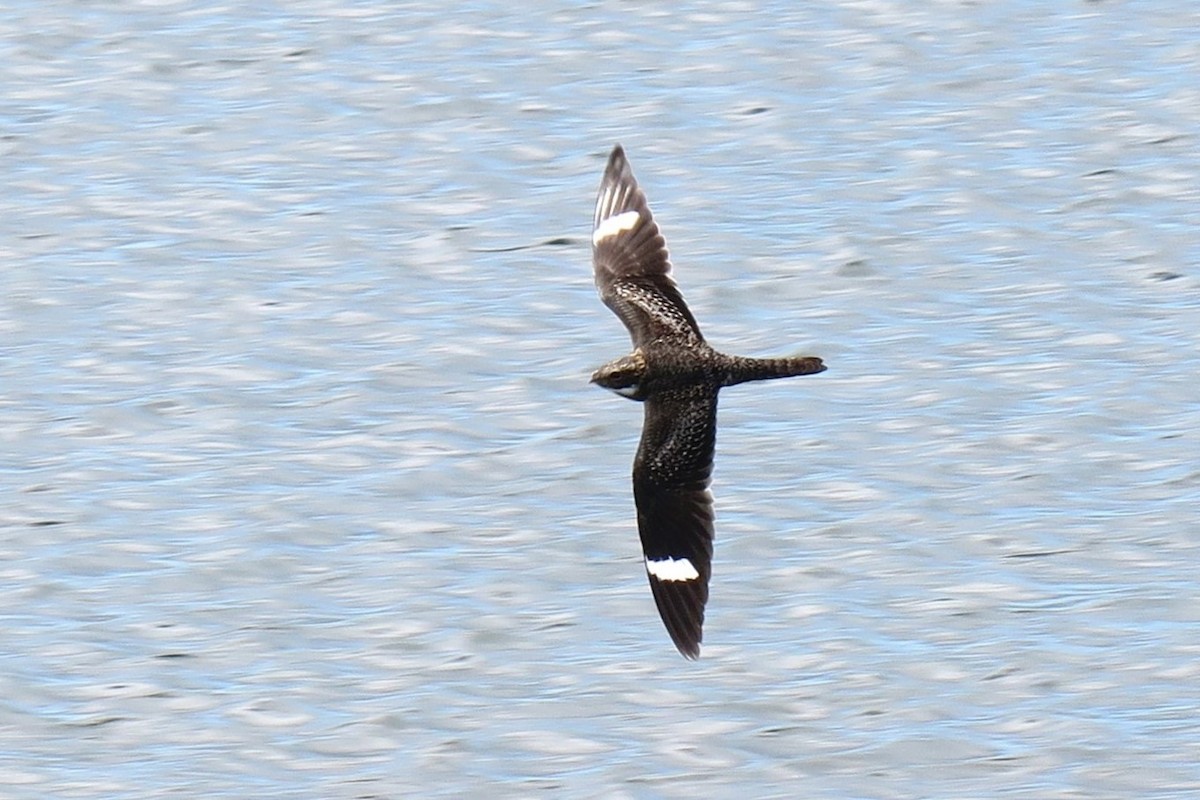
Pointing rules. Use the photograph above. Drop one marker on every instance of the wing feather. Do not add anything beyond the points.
(671, 475)
(632, 267)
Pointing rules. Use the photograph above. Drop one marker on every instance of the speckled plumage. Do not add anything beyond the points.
(677, 375)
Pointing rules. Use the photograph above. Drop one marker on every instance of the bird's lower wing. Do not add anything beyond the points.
(675, 517)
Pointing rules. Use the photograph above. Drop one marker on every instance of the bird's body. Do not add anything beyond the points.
(677, 375)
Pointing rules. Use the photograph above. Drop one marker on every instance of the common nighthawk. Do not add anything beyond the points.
(677, 375)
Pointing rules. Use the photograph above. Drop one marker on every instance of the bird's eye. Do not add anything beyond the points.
(630, 378)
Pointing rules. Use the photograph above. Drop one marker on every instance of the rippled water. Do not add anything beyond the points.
(303, 492)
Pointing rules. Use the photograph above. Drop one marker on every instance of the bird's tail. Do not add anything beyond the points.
(741, 369)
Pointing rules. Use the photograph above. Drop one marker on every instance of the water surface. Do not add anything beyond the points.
(304, 492)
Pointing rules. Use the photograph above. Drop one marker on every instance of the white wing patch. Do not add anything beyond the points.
(672, 569)
(614, 225)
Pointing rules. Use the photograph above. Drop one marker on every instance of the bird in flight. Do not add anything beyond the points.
(676, 375)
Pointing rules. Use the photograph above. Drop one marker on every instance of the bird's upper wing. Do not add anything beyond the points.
(633, 271)
(671, 475)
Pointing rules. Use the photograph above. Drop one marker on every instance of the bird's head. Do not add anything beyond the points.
(623, 376)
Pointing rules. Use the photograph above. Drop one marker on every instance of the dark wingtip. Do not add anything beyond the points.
(616, 159)
(681, 607)
(686, 635)
(686, 642)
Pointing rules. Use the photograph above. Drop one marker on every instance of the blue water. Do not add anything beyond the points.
(303, 492)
